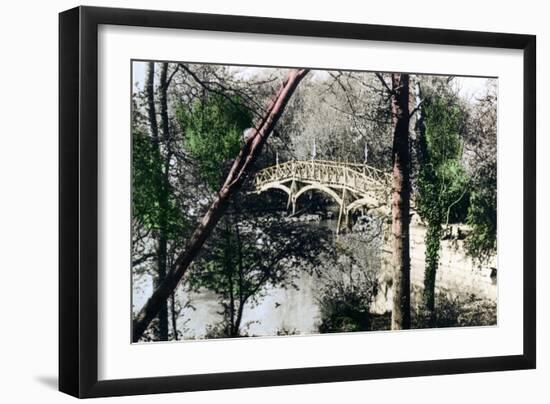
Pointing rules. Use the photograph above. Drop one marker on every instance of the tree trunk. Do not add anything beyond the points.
(248, 154)
(433, 231)
(162, 195)
(151, 109)
(174, 315)
(163, 98)
(228, 269)
(240, 276)
(401, 313)
(163, 310)
(433, 237)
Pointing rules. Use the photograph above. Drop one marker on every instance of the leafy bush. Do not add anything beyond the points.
(345, 302)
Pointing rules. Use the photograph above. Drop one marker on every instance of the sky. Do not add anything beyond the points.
(469, 88)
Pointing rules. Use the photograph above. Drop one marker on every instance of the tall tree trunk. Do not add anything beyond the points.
(401, 313)
(174, 315)
(164, 193)
(248, 154)
(162, 196)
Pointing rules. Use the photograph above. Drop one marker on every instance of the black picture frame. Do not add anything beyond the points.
(78, 201)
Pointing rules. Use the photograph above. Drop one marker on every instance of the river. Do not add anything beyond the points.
(296, 310)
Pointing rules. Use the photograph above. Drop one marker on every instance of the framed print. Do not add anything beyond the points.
(250, 201)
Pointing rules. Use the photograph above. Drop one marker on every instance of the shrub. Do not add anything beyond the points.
(345, 301)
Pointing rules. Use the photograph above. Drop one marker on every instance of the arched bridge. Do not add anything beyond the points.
(351, 186)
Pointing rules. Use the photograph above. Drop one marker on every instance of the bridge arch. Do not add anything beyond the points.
(366, 201)
(318, 187)
(276, 185)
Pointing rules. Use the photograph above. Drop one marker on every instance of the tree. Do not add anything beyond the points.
(481, 244)
(161, 193)
(441, 180)
(247, 255)
(246, 157)
(213, 133)
(239, 264)
(340, 113)
(401, 312)
(157, 222)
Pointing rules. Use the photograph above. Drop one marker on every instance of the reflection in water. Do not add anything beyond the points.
(280, 311)
(283, 310)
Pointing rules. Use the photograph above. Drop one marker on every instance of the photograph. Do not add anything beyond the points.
(284, 201)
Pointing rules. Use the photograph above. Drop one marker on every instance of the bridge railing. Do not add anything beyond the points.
(356, 176)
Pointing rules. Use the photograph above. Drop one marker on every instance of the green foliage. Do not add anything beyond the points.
(145, 166)
(213, 129)
(441, 179)
(149, 186)
(482, 217)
